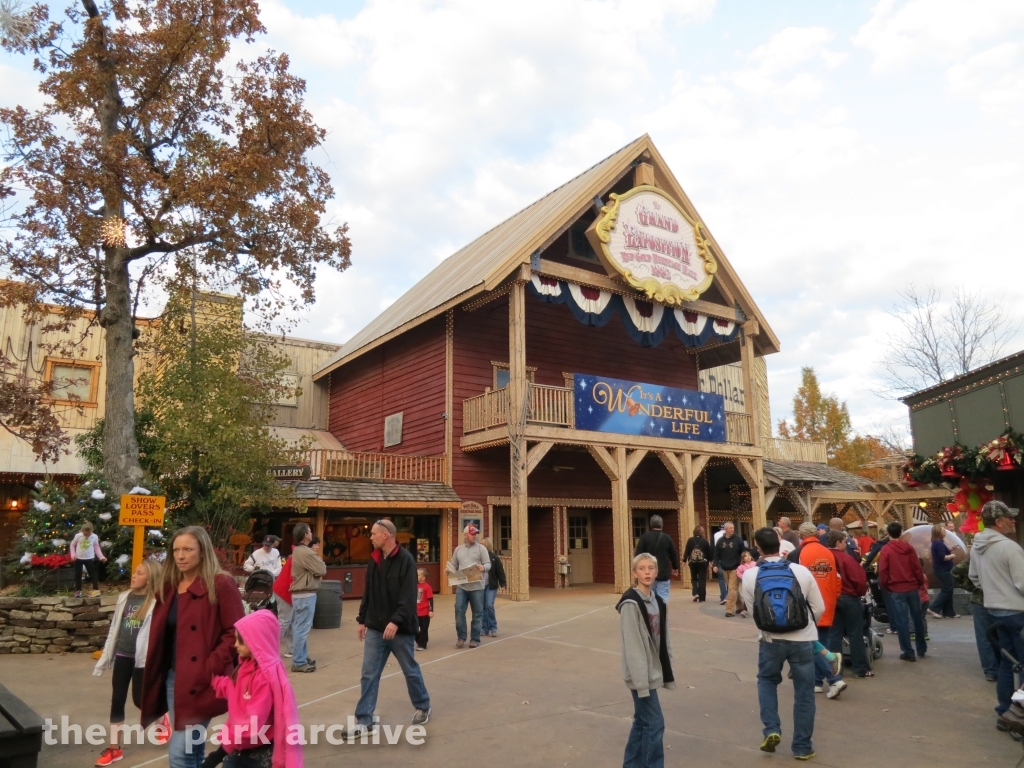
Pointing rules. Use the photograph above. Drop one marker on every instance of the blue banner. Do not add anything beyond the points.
(634, 408)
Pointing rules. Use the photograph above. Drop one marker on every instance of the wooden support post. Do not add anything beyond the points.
(518, 391)
(622, 525)
(446, 547)
(320, 525)
(747, 354)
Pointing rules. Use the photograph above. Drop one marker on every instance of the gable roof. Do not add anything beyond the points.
(485, 262)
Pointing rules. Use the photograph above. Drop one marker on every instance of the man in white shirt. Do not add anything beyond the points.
(469, 556)
(266, 557)
(796, 647)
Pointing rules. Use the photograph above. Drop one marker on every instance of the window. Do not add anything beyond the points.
(289, 398)
(505, 533)
(74, 381)
(579, 532)
(639, 529)
(501, 374)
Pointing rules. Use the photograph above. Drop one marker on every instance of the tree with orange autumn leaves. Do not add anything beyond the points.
(156, 162)
(817, 416)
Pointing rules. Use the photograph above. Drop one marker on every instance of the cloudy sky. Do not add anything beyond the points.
(837, 150)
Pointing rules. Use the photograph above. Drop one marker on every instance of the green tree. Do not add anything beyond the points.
(160, 153)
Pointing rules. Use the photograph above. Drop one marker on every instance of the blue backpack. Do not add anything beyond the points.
(779, 604)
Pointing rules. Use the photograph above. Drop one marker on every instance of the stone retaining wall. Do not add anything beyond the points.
(55, 624)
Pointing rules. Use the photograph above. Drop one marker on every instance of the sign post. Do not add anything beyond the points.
(142, 512)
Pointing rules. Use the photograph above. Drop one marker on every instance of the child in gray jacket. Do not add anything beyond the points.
(646, 663)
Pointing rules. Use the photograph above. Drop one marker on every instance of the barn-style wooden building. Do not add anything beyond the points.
(543, 382)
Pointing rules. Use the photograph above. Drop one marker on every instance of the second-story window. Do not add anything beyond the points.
(501, 375)
(73, 381)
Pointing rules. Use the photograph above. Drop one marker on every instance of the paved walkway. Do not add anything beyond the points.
(547, 692)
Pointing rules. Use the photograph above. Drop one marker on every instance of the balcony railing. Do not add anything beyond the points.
(381, 467)
(779, 449)
(552, 406)
(739, 428)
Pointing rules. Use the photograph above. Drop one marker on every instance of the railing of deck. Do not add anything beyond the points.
(383, 467)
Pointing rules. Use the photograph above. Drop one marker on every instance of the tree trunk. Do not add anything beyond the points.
(120, 448)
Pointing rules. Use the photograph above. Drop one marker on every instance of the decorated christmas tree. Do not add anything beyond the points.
(56, 514)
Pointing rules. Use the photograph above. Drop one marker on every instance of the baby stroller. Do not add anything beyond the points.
(259, 592)
(878, 610)
(872, 640)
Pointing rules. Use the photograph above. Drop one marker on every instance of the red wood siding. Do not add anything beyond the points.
(406, 374)
(602, 546)
(541, 533)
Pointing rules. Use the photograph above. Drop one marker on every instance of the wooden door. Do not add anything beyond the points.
(581, 556)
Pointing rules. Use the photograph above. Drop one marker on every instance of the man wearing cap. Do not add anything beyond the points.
(469, 555)
(997, 566)
(266, 557)
(388, 625)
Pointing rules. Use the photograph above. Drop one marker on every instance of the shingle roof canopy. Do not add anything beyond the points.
(485, 262)
(418, 494)
(818, 476)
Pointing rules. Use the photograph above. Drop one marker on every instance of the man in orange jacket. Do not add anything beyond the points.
(821, 562)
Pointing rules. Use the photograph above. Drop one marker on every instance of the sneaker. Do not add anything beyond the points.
(287, 654)
(819, 689)
(955, 616)
(162, 732)
(835, 664)
(474, 643)
(729, 615)
(460, 643)
(907, 657)
(934, 615)
(358, 730)
(771, 741)
(991, 678)
(808, 756)
(94, 593)
(722, 603)
(422, 716)
(494, 633)
(304, 667)
(421, 647)
(835, 689)
(110, 755)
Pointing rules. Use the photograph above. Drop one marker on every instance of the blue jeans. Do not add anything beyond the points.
(375, 655)
(943, 604)
(179, 753)
(490, 622)
(906, 610)
(661, 588)
(1008, 627)
(475, 598)
(723, 588)
(822, 671)
(770, 658)
(303, 607)
(982, 621)
(645, 748)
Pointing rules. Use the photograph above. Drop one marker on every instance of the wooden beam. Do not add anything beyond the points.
(519, 581)
(747, 354)
(674, 465)
(633, 461)
(604, 282)
(746, 469)
(355, 505)
(549, 501)
(644, 174)
(687, 509)
(605, 461)
(699, 462)
(535, 454)
(769, 497)
(622, 522)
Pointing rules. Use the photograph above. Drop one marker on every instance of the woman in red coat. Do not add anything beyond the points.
(191, 639)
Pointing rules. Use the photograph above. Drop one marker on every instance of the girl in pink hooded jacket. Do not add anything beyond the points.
(261, 703)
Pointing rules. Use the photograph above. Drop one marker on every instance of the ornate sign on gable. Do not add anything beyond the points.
(646, 237)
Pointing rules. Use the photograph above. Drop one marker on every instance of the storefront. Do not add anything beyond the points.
(551, 371)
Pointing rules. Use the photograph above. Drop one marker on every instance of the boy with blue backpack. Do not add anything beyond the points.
(783, 599)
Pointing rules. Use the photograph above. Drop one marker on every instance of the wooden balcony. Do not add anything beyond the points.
(549, 406)
(779, 449)
(739, 428)
(379, 467)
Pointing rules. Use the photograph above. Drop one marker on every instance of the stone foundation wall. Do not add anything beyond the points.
(55, 624)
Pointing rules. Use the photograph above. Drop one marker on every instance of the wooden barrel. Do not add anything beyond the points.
(327, 614)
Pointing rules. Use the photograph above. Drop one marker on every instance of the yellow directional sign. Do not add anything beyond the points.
(143, 512)
(137, 509)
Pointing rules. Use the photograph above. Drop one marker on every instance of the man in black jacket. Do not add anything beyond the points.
(387, 625)
(659, 544)
(727, 559)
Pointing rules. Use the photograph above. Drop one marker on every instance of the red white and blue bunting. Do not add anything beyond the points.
(645, 322)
